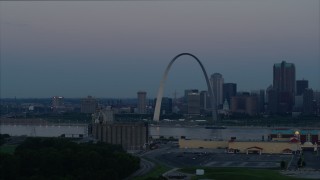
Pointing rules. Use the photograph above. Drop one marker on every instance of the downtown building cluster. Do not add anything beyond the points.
(286, 96)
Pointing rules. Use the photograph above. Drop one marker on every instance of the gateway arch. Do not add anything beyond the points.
(156, 115)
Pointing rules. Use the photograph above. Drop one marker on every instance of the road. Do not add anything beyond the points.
(145, 167)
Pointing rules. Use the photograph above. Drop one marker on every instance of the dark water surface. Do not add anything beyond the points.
(247, 133)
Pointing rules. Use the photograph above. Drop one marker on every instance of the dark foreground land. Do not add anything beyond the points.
(57, 158)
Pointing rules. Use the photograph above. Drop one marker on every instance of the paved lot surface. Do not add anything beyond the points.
(176, 158)
(180, 158)
(312, 159)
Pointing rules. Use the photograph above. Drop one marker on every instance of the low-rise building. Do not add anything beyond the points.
(259, 147)
(207, 143)
(281, 141)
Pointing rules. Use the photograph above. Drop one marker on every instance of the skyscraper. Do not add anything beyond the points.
(89, 105)
(301, 86)
(284, 77)
(216, 82)
(272, 100)
(194, 103)
(244, 104)
(185, 99)
(166, 105)
(57, 103)
(142, 102)
(308, 102)
(284, 81)
(204, 101)
(261, 99)
(229, 90)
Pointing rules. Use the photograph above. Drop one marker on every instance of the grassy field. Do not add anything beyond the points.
(237, 173)
(8, 149)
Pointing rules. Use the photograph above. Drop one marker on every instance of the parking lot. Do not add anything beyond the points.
(201, 157)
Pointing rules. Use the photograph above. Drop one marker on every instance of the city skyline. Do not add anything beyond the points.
(75, 49)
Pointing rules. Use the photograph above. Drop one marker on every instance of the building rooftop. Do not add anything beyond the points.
(292, 131)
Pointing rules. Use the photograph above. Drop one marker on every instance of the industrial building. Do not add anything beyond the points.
(131, 135)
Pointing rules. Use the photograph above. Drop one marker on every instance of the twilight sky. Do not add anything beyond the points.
(114, 49)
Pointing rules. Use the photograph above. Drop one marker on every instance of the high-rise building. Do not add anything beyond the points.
(308, 102)
(204, 101)
(316, 96)
(284, 83)
(186, 93)
(301, 86)
(194, 103)
(89, 105)
(185, 99)
(272, 100)
(244, 104)
(57, 101)
(261, 99)
(142, 102)
(216, 82)
(229, 90)
(166, 105)
(298, 103)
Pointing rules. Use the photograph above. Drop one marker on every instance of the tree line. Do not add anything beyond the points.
(58, 158)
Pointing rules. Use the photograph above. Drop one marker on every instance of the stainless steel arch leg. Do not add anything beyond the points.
(156, 115)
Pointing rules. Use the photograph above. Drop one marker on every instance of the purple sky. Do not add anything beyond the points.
(114, 49)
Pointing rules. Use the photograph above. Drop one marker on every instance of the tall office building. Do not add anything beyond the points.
(89, 105)
(142, 102)
(244, 103)
(186, 93)
(58, 104)
(301, 86)
(185, 99)
(166, 105)
(216, 82)
(272, 97)
(260, 94)
(284, 81)
(57, 101)
(262, 100)
(316, 96)
(204, 101)
(194, 103)
(229, 90)
(308, 102)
